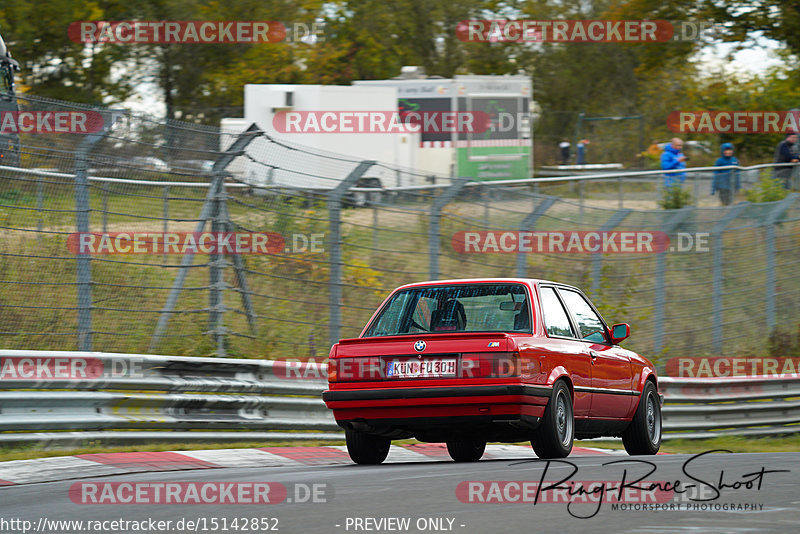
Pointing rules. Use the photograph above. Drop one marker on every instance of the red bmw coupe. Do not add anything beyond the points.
(465, 362)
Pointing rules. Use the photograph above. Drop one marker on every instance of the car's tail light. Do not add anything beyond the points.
(355, 369)
(332, 365)
(489, 364)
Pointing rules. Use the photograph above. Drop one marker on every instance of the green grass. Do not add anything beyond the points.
(677, 446)
(790, 443)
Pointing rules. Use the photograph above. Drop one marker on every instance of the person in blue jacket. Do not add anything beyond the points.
(673, 158)
(726, 181)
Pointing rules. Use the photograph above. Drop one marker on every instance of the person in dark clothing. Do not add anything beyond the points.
(564, 146)
(785, 152)
(726, 181)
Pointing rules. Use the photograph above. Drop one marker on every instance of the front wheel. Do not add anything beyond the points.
(643, 436)
(366, 448)
(466, 451)
(556, 432)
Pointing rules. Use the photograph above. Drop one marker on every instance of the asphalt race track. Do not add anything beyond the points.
(751, 498)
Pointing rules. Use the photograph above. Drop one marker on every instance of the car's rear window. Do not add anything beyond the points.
(454, 308)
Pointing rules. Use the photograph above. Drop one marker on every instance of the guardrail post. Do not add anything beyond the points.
(528, 224)
(769, 222)
(435, 217)
(335, 247)
(236, 149)
(672, 224)
(716, 278)
(82, 208)
(597, 257)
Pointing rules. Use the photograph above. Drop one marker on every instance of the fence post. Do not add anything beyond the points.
(84, 269)
(769, 222)
(528, 224)
(236, 149)
(165, 216)
(597, 257)
(672, 224)
(104, 187)
(39, 204)
(716, 278)
(335, 247)
(375, 221)
(217, 264)
(487, 193)
(435, 217)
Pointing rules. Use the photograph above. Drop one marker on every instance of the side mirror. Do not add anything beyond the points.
(620, 332)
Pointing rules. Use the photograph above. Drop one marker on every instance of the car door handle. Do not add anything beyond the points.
(593, 354)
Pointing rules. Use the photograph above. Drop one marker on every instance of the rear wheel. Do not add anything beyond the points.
(466, 451)
(556, 432)
(366, 448)
(643, 436)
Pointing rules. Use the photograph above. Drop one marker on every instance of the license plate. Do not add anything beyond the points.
(425, 368)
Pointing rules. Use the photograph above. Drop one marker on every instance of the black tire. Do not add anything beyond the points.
(556, 432)
(643, 436)
(366, 448)
(466, 451)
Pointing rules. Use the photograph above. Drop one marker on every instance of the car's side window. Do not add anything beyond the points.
(556, 320)
(589, 323)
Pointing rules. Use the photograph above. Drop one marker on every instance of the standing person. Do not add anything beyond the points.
(673, 158)
(564, 146)
(726, 181)
(582, 151)
(786, 153)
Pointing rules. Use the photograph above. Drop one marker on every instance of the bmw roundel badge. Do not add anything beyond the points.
(419, 346)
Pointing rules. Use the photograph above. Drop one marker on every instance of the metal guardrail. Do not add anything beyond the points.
(730, 406)
(128, 397)
(240, 400)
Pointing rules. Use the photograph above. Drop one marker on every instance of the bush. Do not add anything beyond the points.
(675, 197)
(767, 189)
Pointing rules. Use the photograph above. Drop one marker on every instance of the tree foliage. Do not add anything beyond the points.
(373, 39)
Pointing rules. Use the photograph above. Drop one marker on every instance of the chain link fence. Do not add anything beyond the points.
(347, 232)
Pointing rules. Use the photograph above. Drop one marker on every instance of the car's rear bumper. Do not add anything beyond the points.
(425, 411)
(523, 392)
